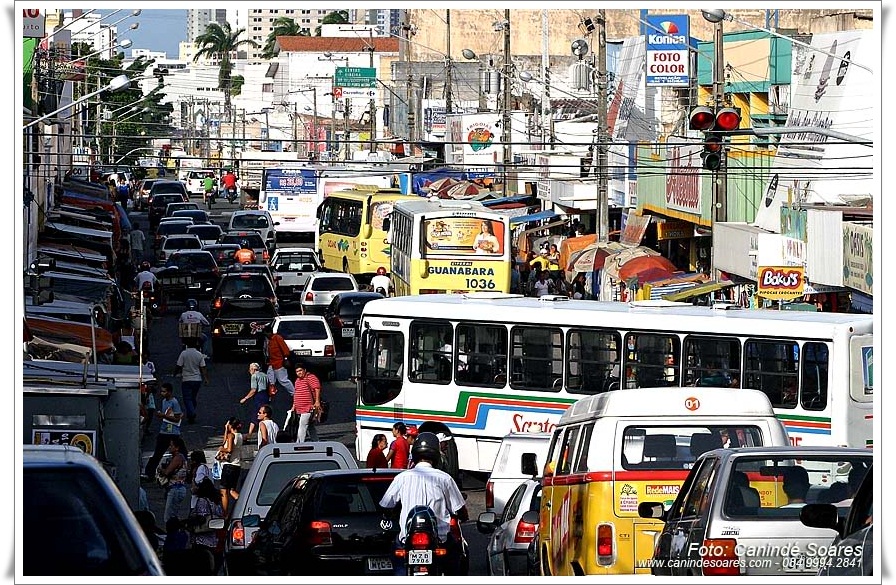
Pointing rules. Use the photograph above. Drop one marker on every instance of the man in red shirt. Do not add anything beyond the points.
(400, 450)
(277, 350)
(305, 400)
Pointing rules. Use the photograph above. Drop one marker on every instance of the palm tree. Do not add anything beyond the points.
(282, 27)
(337, 17)
(219, 41)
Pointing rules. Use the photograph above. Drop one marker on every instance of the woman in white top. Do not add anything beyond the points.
(486, 242)
(267, 428)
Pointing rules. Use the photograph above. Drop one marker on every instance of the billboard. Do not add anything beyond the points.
(668, 56)
(463, 235)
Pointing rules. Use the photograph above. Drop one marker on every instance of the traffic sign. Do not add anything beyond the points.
(355, 77)
(357, 92)
(337, 93)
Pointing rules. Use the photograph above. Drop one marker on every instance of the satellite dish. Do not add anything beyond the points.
(579, 47)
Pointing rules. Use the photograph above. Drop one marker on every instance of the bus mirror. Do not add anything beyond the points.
(386, 223)
(424, 268)
(368, 231)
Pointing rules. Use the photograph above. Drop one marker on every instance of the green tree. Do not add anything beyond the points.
(337, 17)
(219, 42)
(282, 27)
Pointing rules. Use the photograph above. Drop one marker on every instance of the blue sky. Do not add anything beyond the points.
(159, 30)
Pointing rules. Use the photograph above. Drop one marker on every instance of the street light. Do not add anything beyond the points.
(116, 84)
(124, 44)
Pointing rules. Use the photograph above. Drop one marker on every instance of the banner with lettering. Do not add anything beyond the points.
(781, 282)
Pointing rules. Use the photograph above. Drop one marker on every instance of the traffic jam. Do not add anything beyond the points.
(320, 354)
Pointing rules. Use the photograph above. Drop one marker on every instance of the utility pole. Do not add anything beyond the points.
(720, 180)
(314, 124)
(332, 150)
(449, 106)
(603, 140)
(345, 116)
(545, 82)
(372, 106)
(412, 116)
(505, 114)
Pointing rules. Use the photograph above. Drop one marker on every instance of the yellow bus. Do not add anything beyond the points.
(449, 246)
(351, 237)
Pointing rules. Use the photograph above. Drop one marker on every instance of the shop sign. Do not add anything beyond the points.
(674, 230)
(858, 256)
(82, 439)
(781, 282)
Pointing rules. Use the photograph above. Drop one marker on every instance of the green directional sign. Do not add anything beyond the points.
(355, 77)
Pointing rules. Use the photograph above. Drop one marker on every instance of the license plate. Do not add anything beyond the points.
(303, 352)
(348, 331)
(379, 564)
(246, 341)
(195, 285)
(419, 557)
(232, 329)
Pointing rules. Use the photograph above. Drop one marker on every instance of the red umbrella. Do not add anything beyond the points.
(658, 265)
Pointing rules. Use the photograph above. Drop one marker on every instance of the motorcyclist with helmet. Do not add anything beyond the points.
(244, 255)
(228, 181)
(381, 283)
(190, 324)
(427, 485)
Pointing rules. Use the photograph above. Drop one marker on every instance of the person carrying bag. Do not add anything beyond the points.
(208, 507)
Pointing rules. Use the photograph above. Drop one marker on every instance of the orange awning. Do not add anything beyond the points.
(70, 332)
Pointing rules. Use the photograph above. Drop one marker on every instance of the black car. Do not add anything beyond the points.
(238, 326)
(326, 523)
(343, 314)
(242, 285)
(223, 253)
(189, 273)
(161, 194)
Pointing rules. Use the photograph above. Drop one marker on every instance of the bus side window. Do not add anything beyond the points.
(814, 394)
(772, 366)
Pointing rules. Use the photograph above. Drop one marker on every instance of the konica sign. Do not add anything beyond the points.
(668, 55)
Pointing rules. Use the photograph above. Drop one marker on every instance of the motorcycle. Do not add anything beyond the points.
(423, 553)
(231, 195)
(152, 302)
(210, 198)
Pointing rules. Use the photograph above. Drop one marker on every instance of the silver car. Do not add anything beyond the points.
(738, 511)
(512, 531)
(321, 287)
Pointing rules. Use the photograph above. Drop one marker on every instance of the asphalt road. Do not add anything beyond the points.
(219, 400)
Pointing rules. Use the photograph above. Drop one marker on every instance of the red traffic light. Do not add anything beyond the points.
(727, 119)
(702, 118)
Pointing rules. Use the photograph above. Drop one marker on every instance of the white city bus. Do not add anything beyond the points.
(480, 365)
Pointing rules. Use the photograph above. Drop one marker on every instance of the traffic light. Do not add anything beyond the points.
(711, 122)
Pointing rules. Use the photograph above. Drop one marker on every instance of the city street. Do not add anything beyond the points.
(219, 400)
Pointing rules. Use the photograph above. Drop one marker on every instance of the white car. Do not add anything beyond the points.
(175, 243)
(194, 182)
(321, 287)
(293, 266)
(208, 233)
(255, 219)
(309, 338)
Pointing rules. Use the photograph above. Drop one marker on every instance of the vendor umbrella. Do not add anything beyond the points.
(592, 257)
(613, 263)
(647, 268)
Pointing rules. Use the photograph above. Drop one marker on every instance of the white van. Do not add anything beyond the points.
(274, 465)
(521, 456)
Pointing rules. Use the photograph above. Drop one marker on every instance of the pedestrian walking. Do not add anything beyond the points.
(258, 392)
(376, 457)
(191, 368)
(199, 470)
(399, 453)
(306, 400)
(230, 456)
(170, 415)
(277, 352)
(138, 240)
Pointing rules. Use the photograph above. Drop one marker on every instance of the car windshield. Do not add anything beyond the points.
(174, 227)
(353, 307)
(192, 261)
(170, 187)
(279, 473)
(295, 261)
(332, 283)
(341, 496)
(778, 486)
(205, 232)
(176, 243)
(249, 222)
(254, 240)
(254, 285)
(259, 309)
(303, 329)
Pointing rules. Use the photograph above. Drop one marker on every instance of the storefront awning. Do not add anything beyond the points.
(700, 289)
(500, 200)
(546, 214)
